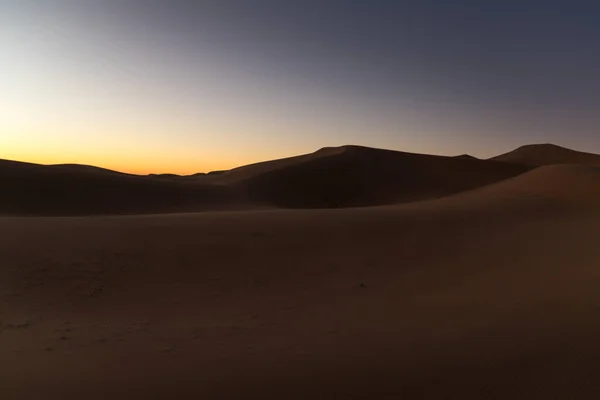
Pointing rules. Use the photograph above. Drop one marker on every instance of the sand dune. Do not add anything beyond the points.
(351, 176)
(348, 176)
(466, 156)
(31, 189)
(548, 154)
(86, 168)
(576, 185)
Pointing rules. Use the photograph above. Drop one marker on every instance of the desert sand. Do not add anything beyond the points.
(451, 278)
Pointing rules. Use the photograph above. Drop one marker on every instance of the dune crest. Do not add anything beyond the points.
(548, 154)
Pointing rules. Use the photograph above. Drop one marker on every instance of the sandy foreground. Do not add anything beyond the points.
(485, 295)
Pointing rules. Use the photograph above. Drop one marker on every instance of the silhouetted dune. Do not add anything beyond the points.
(347, 176)
(86, 168)
(548, 154)
(350, 176)
(466, 157)
(247, 172)
(166, 176)
(32, 189)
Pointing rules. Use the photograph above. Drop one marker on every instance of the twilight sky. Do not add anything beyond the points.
(188, 86)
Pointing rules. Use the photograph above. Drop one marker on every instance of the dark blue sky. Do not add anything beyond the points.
(430, 76)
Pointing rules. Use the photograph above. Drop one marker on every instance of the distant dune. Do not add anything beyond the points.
(32, 189)
(333, 177)
(166, 176)
(347, 176)
(466, 157)
(548, 154)
(85, 168)
(350, 176)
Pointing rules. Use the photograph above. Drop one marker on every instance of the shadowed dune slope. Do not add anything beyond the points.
(32, 189)
(348, 176)
(352, 176)
(548, 154)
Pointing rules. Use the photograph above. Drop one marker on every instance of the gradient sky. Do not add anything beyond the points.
(188, 86)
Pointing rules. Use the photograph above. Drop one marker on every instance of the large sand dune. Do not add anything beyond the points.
(574, 185)
(332, 177)
(353, 176)
(548, 154)
(490, 293)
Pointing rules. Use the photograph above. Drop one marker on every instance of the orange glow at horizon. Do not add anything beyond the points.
(140, 165)
(123, 157)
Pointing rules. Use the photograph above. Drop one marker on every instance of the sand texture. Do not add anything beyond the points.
(479, 282)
